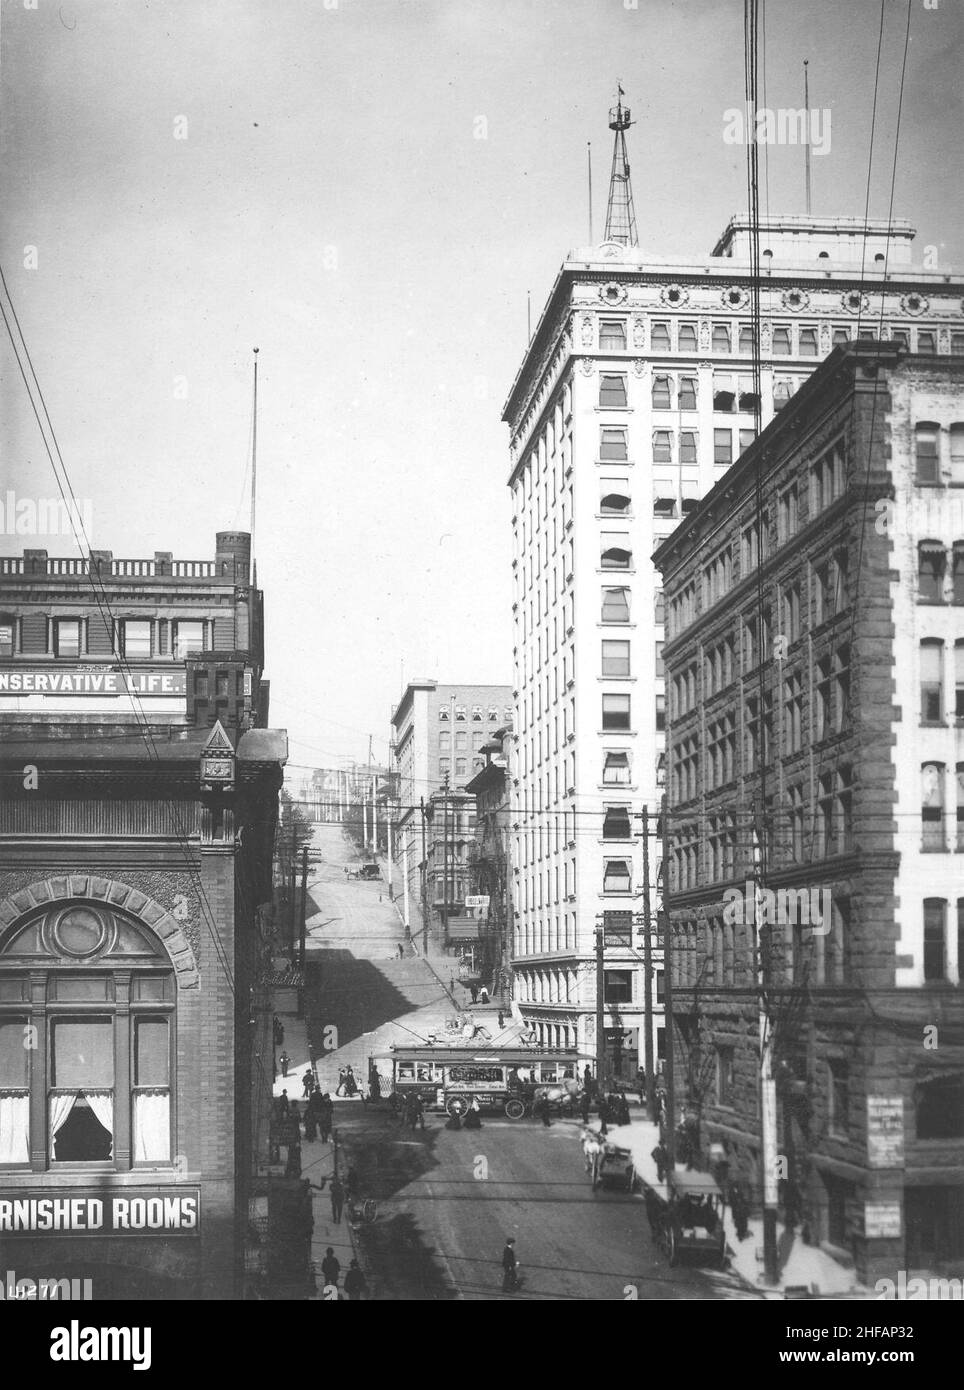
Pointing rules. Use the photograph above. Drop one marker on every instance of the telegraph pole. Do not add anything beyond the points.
(445, 857)
(647, 968)
(600, 1007)
(768, 1089)
(304, 905)
(667, 934)
(424, 883)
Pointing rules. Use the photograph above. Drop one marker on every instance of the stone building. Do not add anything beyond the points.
(136, 825)
(815, 674)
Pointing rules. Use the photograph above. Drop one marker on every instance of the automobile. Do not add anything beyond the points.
(690, 1222)
(369, 871)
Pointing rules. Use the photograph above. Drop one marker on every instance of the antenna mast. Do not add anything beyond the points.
(254, 470)
(806, 143)
(620, 213)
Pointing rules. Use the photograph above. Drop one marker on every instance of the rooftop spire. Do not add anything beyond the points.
(620, 213)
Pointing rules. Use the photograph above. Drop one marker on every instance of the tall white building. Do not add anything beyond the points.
(634, 396)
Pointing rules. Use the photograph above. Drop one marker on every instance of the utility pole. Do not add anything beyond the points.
(647, 968)
(304, 904)
(670, 1137)
(408, 925)
(424, 883)
(768, 1089)
(374, 821)
(600, 1007)
(445, 858)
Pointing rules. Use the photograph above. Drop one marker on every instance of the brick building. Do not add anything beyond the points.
(815, 717)
(137, 826)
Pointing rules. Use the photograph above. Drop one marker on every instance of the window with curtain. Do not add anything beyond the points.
(931, 564)
(615, 606)
(926, 437)
(92, 1011)
(612, 392)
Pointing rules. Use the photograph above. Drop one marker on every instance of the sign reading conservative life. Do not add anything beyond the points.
(128, 1213)
(27, 680)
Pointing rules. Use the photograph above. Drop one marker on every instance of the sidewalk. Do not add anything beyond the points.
(800, 1264)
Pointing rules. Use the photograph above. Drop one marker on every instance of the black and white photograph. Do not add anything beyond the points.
(482, 664)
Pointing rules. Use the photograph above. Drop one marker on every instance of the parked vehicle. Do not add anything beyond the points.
(369, 871)
(690, 1222)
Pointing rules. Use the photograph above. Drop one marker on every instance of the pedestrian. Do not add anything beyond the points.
(307, 1083)
(401, 951)
(584, 1104)
(283, 1103)
(278, 1030)
(293, 1166)
(641, 1084)
(510, 1267)
(351, 1085)
(587, 1080)
(474, 991)
(484, 994)
(324, 1117)
(623, 1109)
(740, 1213)
(660, 1158)
(311, 1124)
(542, 1110)
(418, 1112)
(285, 1062)
(375, 1085)
(337, 1194)
(330, 1268)
(355, 1284)
(501, 1020)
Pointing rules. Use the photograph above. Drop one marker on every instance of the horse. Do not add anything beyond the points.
(593, 1149)
(561, 1093)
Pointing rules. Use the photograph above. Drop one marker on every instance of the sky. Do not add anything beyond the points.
(368, 191)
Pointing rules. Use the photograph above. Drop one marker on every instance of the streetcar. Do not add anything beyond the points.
(500, 1079)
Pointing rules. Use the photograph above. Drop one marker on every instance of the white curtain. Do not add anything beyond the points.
(14, 1129)
(60, 1108)
(102, 1104)
(152, 1126)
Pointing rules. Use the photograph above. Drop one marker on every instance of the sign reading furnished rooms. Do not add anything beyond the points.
(131, 1213)
(38, 681)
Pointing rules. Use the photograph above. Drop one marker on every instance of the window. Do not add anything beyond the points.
(687, 447)
(808, 342)
(932, 808)
(615, 658)
(616, 824)
(460, 714)
(188, 638)
(493, 715)
(723, 447)
(476, 714)
(928, 464)
(7, 635)
(73, 1082)
(746, 340)
(957, 342)
(787, 513)
(662, 393)
(957, 455)
(724, 393)
(612, 444)
(659, 607)
(444, 767)
(959, 842)
(748, 396)
(687, 393)
(616, 770)
(935, 933)
(460, 767)
(959, 681)
(900, 335)
(461, 743)
(135, 638)
(823, 708)
(660, 714)
(444, 741)
(659, 338)
(612, 392)
(781, 341)
(746, 438)
(617, 876)
(664, 498)
(614, 496)
(791, 612)
(686, 336)
(612, 335)
(721, 337)
(615, 712)
(932, 682)
(615, 605)
(841, 335)
(615, 553)
(793, 715)
(618, 986)
(724, 1075)
(931, 564)
(926, 342)
(66, 637)
(838, 1096)
(939, 1104)
(662, 446)
(443, 713)
(658, 659)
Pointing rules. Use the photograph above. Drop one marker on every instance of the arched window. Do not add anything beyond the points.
(87, 1017)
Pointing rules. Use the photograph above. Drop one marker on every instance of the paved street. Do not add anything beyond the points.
(448, 1200)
